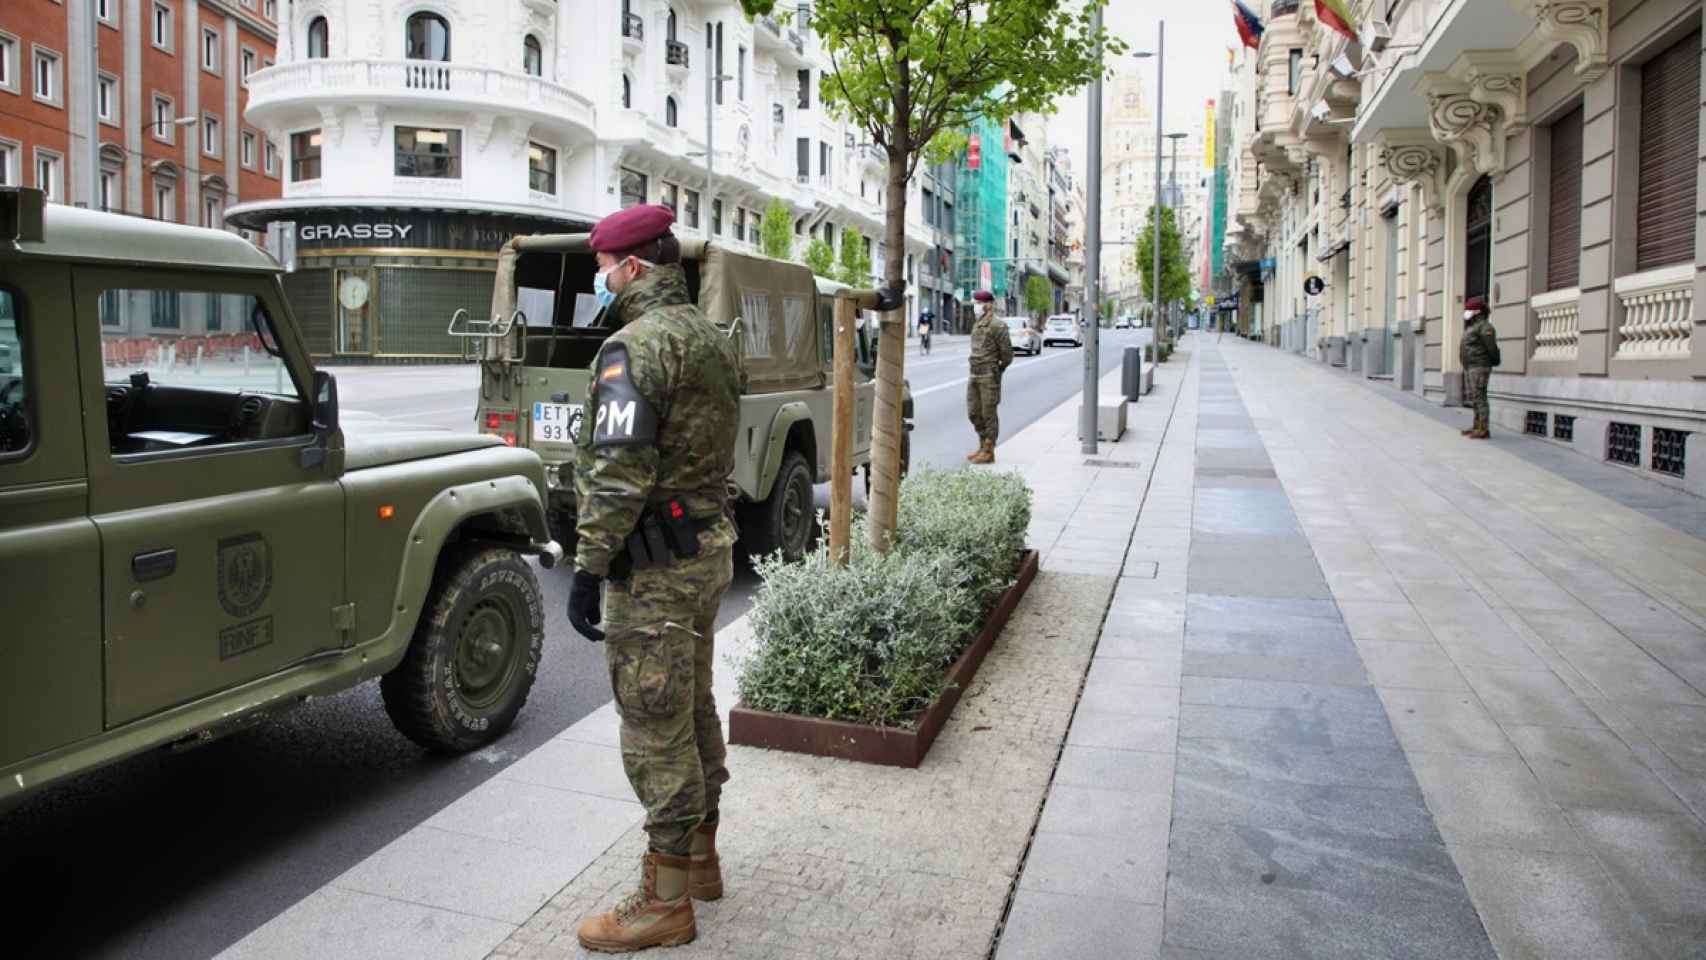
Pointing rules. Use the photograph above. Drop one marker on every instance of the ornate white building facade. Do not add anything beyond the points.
(418, 135)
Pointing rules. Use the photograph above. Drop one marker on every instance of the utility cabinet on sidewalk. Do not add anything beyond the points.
(1110, 422)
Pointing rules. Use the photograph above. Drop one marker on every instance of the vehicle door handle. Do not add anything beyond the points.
(154, 564)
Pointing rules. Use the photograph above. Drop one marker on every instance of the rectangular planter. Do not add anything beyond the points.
(885, 745)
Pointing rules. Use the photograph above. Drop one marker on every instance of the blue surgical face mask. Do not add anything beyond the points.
(601, 288)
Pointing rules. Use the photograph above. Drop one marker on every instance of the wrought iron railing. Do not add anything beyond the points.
(676, 54)
(633, 28)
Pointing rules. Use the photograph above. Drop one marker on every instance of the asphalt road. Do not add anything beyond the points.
(178, 855)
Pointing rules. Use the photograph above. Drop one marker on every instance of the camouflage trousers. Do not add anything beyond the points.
(983, 400)
(1475, 392)
(659, 646)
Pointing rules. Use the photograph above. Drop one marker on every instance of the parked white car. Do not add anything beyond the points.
(1125, 322)
(1023, 336)
(1062, 328)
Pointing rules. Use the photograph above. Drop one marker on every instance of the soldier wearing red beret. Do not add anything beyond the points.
(991, 354)
(656, 445)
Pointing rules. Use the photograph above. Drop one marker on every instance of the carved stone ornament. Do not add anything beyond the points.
(520, 132)
(373, 121)
(332, 125)
(1415, 160)
(1502, 88)
(1583, 24)
(1475, 130)
(483, 124)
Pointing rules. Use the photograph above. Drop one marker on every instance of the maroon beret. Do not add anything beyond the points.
(1475, 305)
(624, 230)
(983, 296)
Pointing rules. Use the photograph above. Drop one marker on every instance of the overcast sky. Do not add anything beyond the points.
(1198, 33)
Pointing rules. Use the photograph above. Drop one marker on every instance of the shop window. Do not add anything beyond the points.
(532, 57)
(1623, 443)
(305, 156)
(1670, 451)
(1564, 207)
(541, 169)
(633, 188)
(319, 39)
(429, 152)
(1668, 156)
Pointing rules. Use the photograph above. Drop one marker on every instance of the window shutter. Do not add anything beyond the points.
(1564, 217)
(1670, 144)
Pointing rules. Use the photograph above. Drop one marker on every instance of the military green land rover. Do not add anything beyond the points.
(546, 327)
(189, 536)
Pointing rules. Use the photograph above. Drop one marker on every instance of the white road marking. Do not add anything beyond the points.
(954, 383)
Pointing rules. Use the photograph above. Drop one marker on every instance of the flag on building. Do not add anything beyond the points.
(1249, 25)
(1337, 15)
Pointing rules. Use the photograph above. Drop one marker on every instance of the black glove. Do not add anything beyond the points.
(584, 612)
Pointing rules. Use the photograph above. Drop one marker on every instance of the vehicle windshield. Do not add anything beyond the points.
(1016, 324)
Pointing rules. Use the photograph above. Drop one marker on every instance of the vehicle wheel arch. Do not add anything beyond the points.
(791, 428)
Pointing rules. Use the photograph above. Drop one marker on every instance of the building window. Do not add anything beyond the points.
(424, 152)
(690, 209)
(210, 139)
(111, 193)
(1668, 156)
(740, 73)
(165, 199)
(717, 217)
(1564, 203)
(104, 11)
(47, 76)
(740, 223)
(669, 195)
(532, 57)
(50, 178)
(9, 151)
(1294, 72)
(106, 98)
(804, 102)
(210, 50)
(718, 72)
(428, 38)
(541, 169)
(1670, 451)
(1564, 428)
(247, 155)
(213, 209)
(318, 39)
(670, 114)
(803, 159)
(823, 161)
(162, 32)
(272, 10)
(163, 115)
(8, 62)
(1623, 443)
(633, 186)
(305, 156)
(269, 154)
(248, 62)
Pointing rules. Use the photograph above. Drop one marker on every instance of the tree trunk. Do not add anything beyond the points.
(887, 428)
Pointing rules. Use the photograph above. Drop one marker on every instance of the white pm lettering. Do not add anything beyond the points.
(616, 416)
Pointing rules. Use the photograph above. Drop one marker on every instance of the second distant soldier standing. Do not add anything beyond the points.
(991, 354)
(656, 444)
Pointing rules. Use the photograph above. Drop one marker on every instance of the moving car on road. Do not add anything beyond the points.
(1024, 337)
(193, 537)
(546, 327)
(1125, 322)
(1062, 328)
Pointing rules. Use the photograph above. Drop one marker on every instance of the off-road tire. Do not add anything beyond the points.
(785, 520)
(450, 698)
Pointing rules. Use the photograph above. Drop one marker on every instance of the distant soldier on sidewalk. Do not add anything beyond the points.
(1479, 354)
(655, 448)
(991, 353)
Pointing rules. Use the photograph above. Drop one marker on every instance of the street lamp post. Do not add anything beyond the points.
(1173, 191)
(712, 80)
(1089, 416)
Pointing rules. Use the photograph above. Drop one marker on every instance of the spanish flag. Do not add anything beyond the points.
(1337, 14)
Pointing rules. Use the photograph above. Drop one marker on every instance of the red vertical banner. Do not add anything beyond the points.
(974, 152)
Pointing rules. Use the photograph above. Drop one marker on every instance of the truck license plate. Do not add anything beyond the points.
(556, 422)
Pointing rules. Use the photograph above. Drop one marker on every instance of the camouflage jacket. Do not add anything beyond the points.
(991, 347)
(1480, 347)
(662, 410)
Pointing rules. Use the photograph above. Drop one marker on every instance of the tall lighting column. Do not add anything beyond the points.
(1088, 417)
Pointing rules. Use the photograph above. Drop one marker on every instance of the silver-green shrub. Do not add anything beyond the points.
(871, 642)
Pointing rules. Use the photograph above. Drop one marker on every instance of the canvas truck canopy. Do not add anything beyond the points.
(775, 303)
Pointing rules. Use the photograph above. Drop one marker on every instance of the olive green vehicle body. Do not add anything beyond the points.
(166, 595)
(536, 360)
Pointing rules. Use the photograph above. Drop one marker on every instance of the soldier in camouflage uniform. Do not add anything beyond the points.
(655, 449)
(1479, 353)
(991, 354)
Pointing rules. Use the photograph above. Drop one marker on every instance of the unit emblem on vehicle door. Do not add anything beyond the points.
(245, 573)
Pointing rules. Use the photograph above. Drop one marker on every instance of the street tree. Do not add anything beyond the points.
(1039, 296)
(820, 257)
(911, 75)
(855, 270)
(1175, 269)
(776, 231)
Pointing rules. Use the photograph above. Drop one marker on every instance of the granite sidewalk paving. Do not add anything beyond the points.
(822, 858)
(1428, 699)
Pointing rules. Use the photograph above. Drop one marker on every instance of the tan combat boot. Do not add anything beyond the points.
(659, 914)
(1479, 432)
(705, 874)
(984, 454)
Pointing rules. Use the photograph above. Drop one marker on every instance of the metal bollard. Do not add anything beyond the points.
(1131, 373)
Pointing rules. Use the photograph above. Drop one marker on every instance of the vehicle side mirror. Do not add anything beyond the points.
(325, 402)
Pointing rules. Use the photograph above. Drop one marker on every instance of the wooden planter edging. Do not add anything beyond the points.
(885, 745)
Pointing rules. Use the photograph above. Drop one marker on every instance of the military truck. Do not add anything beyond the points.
(545, 330)
(191, 536)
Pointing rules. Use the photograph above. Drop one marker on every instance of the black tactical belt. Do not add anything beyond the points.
(664, 534)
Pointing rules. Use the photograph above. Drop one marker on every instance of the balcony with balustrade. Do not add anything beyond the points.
(782, 42)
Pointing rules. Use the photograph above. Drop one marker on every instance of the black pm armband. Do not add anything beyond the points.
(622, 416)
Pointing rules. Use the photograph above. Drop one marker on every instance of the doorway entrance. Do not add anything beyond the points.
(1389, 335)
(1478, 240)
